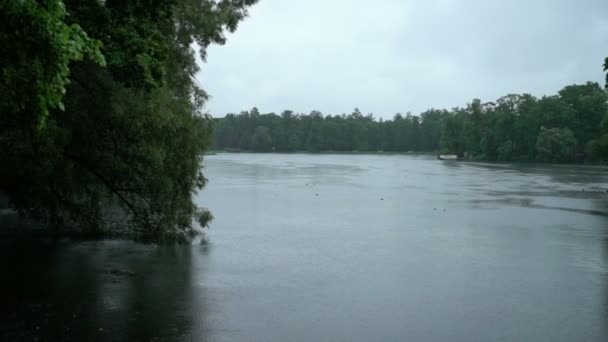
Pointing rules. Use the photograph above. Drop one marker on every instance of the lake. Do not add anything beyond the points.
(340, 248)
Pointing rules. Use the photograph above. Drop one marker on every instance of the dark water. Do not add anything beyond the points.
(340, 248)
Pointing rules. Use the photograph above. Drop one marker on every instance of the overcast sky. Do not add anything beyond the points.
(389, 56)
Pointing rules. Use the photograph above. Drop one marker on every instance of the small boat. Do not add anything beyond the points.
(447, 157)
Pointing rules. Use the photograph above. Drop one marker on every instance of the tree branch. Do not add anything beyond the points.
(116, 191)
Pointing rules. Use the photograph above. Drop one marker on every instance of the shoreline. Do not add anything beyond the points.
(417, 153)
(215, 152)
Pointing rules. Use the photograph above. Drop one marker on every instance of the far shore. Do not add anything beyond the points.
(428, 153)
(409, 153)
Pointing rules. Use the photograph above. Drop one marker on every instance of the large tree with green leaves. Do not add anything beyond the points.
(102, 127)
(556, 145)
(37, 47)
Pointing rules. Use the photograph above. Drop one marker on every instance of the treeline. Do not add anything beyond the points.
(569, 126)
(314, 132)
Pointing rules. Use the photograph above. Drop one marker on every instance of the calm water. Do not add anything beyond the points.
(340, 248)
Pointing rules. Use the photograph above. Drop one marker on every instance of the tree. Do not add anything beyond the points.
(606, 70)
(121, 151)
(37, 46)
(556, 145)
(431, 129)
(294, 143)
(261, 140)
(504, 130)
(505, 151)
(598, 148)
(526, 128)
(588, 107)
(452, 139)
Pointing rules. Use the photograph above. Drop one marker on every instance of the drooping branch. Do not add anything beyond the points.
(110, 186)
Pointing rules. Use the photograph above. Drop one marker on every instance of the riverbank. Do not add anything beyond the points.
(414, 153)
(426, 153)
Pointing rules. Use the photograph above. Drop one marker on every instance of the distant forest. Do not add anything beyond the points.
(567, 127)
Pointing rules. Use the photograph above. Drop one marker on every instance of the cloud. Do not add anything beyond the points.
(397, 56)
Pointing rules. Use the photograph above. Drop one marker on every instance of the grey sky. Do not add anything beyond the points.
(391, 56)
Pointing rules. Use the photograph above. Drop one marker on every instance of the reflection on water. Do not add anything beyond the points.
(99, 291)
(340, 248)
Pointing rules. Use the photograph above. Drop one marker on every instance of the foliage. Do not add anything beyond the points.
(505, 151)
(598, 148)
(555, 145)
(36, 48)
(126, 150)
(452, 135)
(314, 132)
(606, 70)
(505, 130)
(261, 140)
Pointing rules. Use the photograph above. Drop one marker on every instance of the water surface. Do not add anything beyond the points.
(342, 248)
